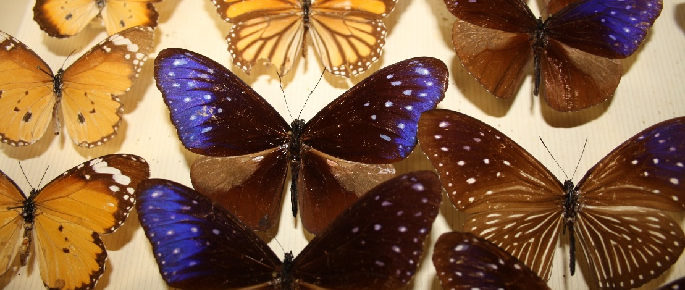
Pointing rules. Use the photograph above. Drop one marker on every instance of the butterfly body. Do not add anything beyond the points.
(83, 97)
(374, 244)
(347, 35)
(616, 212)
(576, 50)
(62, 222)
(339, 154)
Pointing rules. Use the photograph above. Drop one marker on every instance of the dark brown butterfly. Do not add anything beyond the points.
(341, 153)
(374, 244)
(64, 219)
(617, 211)
(464, 261)
(575, 50)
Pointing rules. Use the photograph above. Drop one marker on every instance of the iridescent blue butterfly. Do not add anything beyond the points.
(376, 243)
(576, 50)
(338, 155)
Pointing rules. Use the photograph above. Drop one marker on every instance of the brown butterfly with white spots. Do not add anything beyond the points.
(66, 217)
(617, 211)
(64, 18)
(87, 92)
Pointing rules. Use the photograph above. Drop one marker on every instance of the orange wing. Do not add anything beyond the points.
(26, 93)
(119, 15)
(92, 84)
(11, 229)
(64, 18)
(269, 30)
(349, 35)
(90, 199)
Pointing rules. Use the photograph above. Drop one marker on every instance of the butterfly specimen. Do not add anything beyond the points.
(64, 220)
(617, 211)
(86, 92)
(464, 261)
(348, 35)
(61, 18)
(338, 155)
(376, 243)
(576, 50)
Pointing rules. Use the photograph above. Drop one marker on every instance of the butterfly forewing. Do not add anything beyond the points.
(609, 28)
(198, 244)
(381, 113)
(645, 171)
(505, 15)
(122, 14)
(627, 247)
(90, 102)
(464, 261)
(349, 38)
(214, 112)
(249, 186)
(328, 185)
(61, 18)
(11, 222)
(26, 96)
(377, 242)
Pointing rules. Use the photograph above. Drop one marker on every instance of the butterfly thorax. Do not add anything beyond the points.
(539, 43)
(306, 4)
(294, 147)
(287, 271)
(57, 84)
(28, 210)
(100, 3)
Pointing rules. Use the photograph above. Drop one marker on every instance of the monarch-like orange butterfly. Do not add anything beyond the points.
(66, 217)
(86, 92)
(60, 18)
(348, 35)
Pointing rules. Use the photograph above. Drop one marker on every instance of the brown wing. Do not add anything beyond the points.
(90, 199)
(11, 221)
(349, 35)
(627, 247)
(573, 79)
(26, 93)
(63, 18)
(119, 15)
(92, 85)
(328, 185)
(249, 186)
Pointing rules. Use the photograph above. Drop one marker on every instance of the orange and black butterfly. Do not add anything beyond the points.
(87, 92)
(66, 217)
(61, 18)
(347, 35)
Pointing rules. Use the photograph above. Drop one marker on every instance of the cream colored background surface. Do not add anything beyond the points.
(652, 90)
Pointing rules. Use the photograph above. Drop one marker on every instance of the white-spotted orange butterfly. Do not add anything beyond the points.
(65, 218)
(86, 92)
(62, 18)
(348, 35)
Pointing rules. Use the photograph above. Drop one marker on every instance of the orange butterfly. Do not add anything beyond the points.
(86, 92)
(61, 18)
(348, 35)
(65, 218)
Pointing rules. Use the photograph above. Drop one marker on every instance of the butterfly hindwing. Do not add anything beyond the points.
(198, 244)
(608, 28)
(122, 14)
(377, 242)
(464, 261)
(380, 114)
(11, 222)
(249, 186)
(26, 93)
(214, 112)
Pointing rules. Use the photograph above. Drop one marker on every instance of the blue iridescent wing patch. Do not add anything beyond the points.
(198, 244)
(609, 28)
(214, 111)
(376, 120)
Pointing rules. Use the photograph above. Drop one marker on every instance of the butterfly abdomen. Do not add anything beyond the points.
(28, 213)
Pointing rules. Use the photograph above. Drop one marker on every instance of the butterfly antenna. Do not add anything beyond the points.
(581, 157)
(280, 82)
(311, 92)
(24, 173)
(555, 160)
